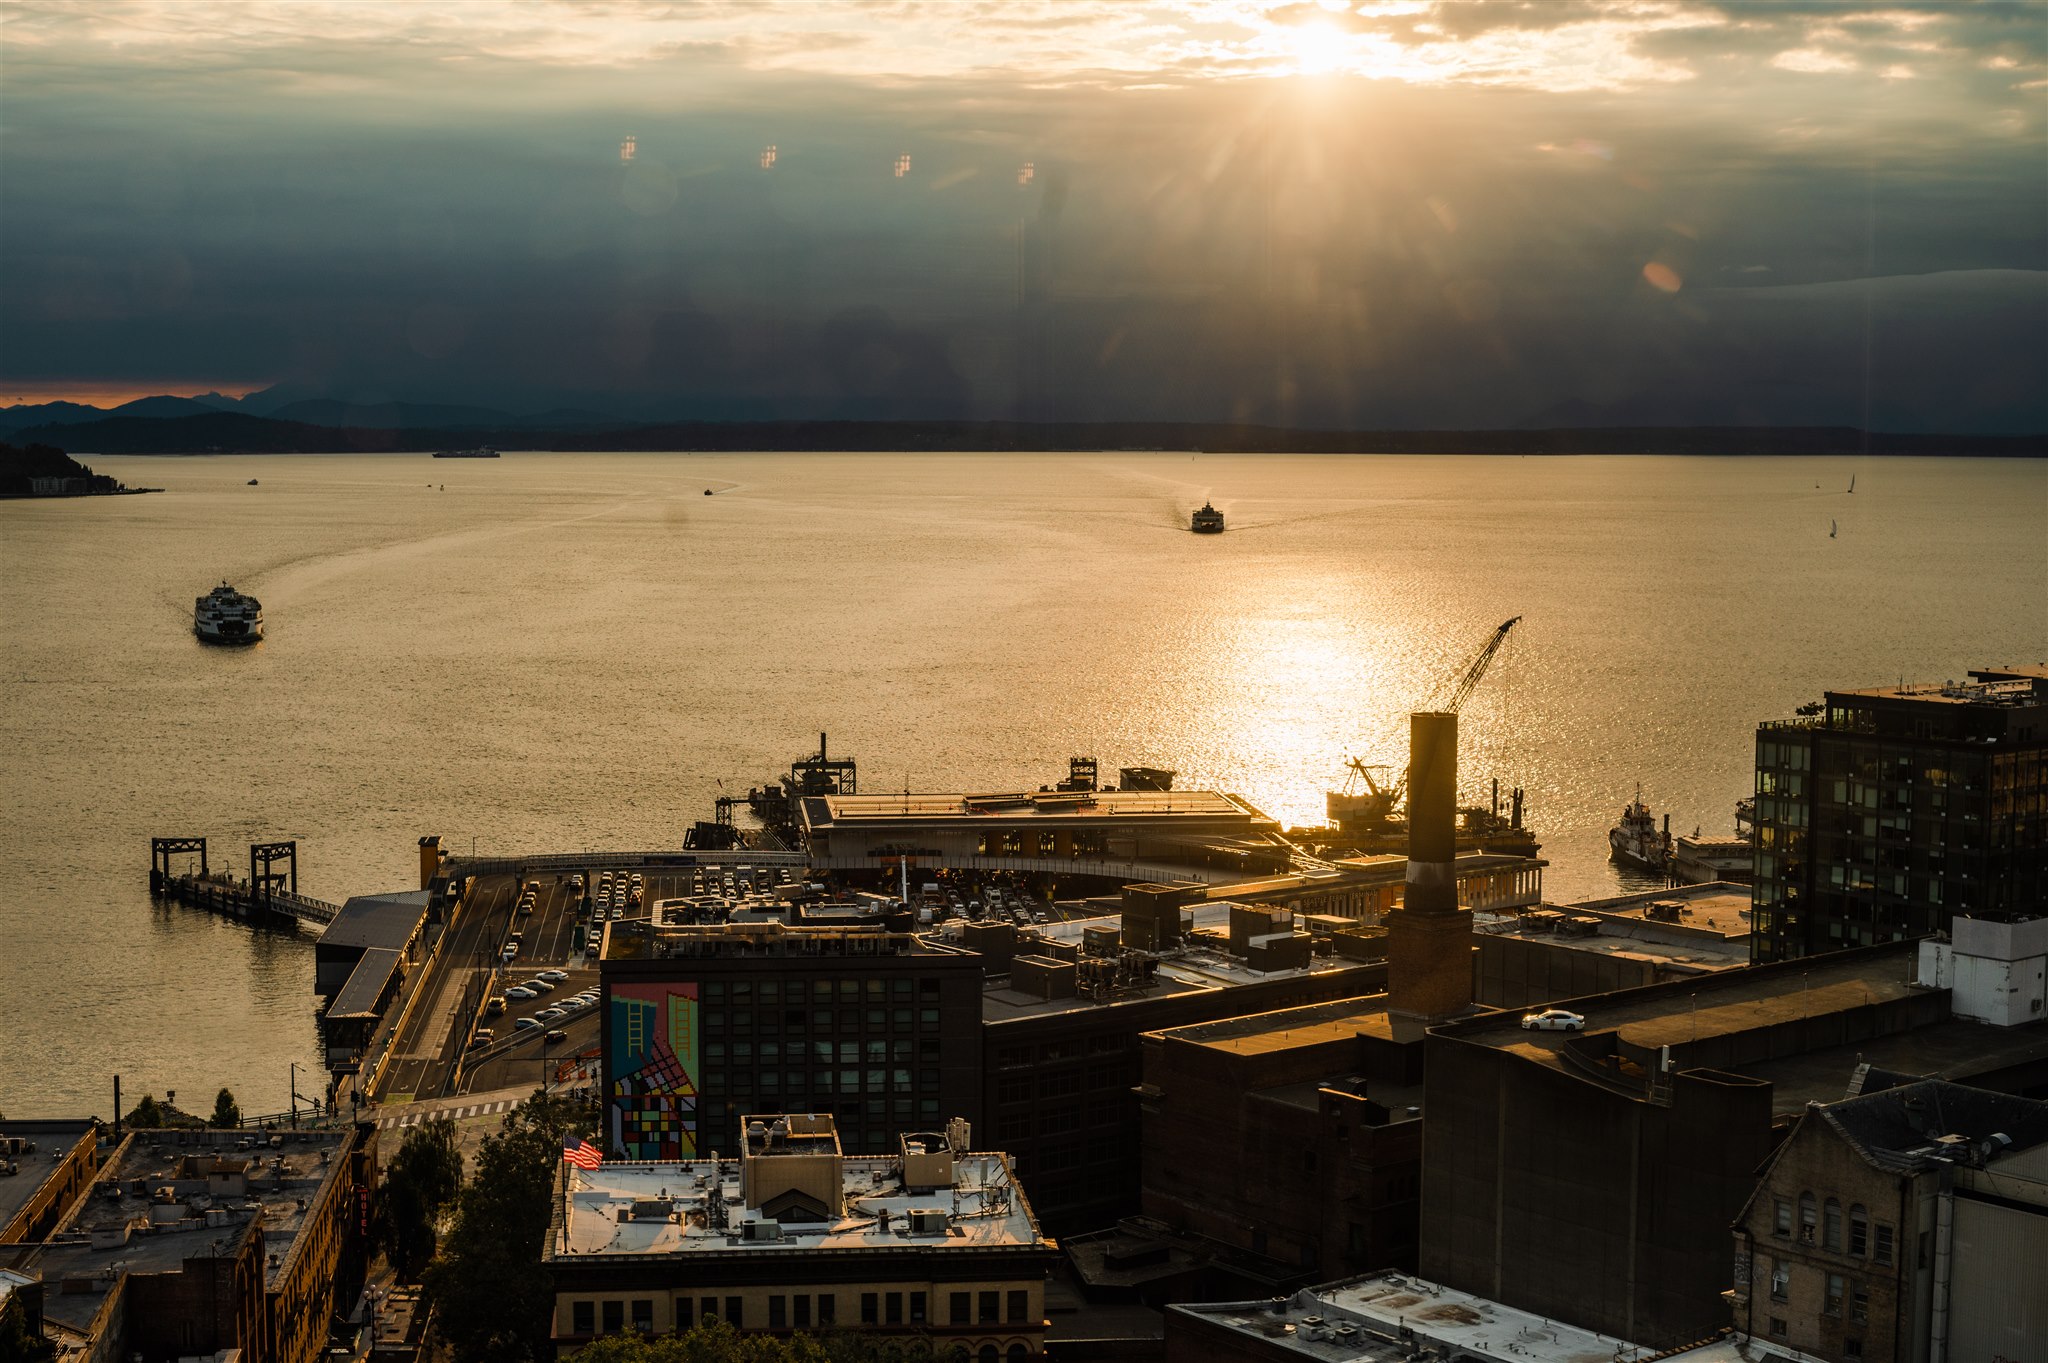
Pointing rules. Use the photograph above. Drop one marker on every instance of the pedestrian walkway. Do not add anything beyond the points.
(474, 1105)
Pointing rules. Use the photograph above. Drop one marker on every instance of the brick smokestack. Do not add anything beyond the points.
(1429, 939)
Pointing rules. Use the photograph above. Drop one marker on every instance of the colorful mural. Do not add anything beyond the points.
(651, 1071)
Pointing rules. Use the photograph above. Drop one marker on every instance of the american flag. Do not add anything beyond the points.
(582, 1154)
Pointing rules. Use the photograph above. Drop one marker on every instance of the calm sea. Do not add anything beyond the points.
(564, 651)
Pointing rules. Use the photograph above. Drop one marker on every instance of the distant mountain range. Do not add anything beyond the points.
(312, 411)
(320, 426)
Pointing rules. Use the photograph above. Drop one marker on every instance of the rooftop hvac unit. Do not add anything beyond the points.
(759, 1231)
(929, 1220)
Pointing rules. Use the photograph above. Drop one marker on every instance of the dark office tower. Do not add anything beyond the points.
(1899, 808)
(1429, 939)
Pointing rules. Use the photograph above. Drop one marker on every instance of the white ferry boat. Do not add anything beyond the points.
(1637, 839)
(225, 616)
(1207, 521)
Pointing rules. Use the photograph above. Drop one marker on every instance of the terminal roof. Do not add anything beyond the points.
(1050, 806)
(377, 920)
(359, 994)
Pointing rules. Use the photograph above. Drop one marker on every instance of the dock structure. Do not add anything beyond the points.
(268, 894)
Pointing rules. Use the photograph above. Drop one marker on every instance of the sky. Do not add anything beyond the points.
(1321, 213)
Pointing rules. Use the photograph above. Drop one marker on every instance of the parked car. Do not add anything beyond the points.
(1553, 1020)
(524, 1024)
(480, 1037)
(540, 986)
(552, 976)
(520, 991)
(555, 1014)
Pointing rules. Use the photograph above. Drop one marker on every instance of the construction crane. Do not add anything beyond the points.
(1380, 804)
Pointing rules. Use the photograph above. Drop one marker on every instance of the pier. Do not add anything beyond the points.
(268, 895)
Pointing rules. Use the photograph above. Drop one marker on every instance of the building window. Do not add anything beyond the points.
(962, 1309)
(1809, 1218)
(828, 1309)
(1859, 1231)
(991, 1308)
(1782, 1225)
(1852, 1348)
(1778, 1330)
(917, 1308)
(643, 1315)
(707, 1309)
(1833, 1305)
(1859, 1304)
(1832, 1227)
(870, 1308)
(614, 1316)
(582, 1318)
(894, 1303)
(1781, 1280)
(1020, 1307)
(803, 1310)
(682, 1313)
(1882, 1251)
(734, 1315)
(778, 1312)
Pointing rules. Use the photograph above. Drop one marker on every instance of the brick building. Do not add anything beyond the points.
(1900, 1225)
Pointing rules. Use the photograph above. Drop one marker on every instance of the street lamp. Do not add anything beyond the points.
(295, 1094)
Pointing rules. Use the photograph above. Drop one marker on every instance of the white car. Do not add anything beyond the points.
(523, 1024)
(1553, 1020)
(520, 991)
(540, 986)
(552, 976)
(550, 1014)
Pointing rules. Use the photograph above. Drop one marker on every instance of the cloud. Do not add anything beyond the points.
(428, 202)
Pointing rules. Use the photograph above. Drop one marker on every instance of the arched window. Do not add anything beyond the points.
(1859, 1231)
(1018, 1353)
(1809, 1218)
(1831, 1226)
(988, 1353)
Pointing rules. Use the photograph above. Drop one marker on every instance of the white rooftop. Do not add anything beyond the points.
(665, 1206)
(1360, 1318)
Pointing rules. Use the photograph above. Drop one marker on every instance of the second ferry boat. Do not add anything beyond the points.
(1207, 521)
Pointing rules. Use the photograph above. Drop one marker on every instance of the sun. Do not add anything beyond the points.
(1317, 48)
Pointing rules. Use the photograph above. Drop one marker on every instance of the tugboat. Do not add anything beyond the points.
(1207, 521)
(225, 616)
(1636, 838)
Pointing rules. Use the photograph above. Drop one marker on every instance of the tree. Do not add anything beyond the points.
(147, 1114)
(225, 1111)
(419, 1183)
(493, 1299)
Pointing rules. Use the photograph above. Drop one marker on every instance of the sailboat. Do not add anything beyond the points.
(1831, 529)
(1852, 482)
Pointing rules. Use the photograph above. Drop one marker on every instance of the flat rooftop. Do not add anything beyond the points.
(1717, 907)
(1290, 1028)
(1714, 1005)
(53, 1141)
(1199, 964)
(215, 1188)
(1986, 686)
(630, 1210)
(1364, 1319)
(642, 939)
(1051, 807)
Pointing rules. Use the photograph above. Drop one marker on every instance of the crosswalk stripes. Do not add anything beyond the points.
(401, 1120)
